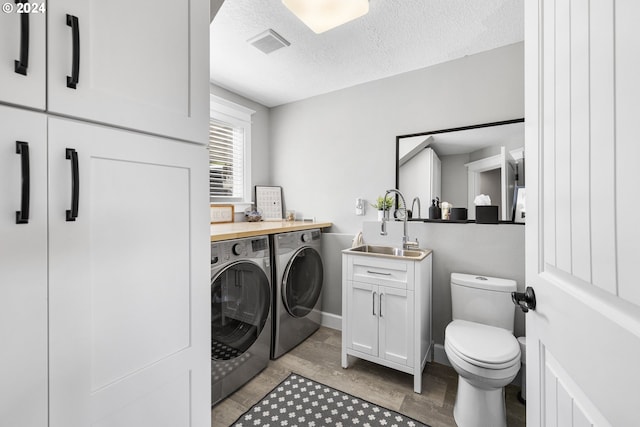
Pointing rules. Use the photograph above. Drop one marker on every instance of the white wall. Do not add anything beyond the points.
(260, 152)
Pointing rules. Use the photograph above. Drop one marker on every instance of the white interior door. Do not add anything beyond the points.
(129, 292)
(583, 240)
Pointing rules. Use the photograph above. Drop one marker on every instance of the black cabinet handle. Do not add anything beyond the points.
(22, 64)
(72, 81)
(22, 216)
(72, 213)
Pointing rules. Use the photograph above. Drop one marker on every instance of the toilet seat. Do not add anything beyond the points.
(482, 346)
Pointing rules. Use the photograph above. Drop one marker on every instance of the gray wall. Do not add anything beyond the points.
(330, 149)
(455, 181)
(483, 249)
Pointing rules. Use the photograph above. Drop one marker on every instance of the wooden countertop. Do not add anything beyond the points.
(237, 230)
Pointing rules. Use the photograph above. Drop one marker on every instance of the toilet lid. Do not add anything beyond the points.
(482, 345)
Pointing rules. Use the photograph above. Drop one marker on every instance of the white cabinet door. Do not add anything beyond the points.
(396, 325)
(22, 54)
(128, 280)
(23, 271)
(362, 315)
(140, 65)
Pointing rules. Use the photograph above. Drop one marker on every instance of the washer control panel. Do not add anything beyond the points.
(244, 248)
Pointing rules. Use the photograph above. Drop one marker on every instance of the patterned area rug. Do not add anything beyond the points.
(298, 401)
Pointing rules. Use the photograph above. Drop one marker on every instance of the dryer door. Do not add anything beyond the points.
(302, 282)
(240, 303)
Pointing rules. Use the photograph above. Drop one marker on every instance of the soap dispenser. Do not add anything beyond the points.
(434, 209)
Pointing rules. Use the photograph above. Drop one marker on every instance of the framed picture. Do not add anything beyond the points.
(519, 205)
(269, 200)
(221, 214)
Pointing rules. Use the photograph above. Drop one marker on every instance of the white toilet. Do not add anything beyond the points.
(480, 345)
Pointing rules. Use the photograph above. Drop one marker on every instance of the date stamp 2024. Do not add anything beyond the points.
(23, 7)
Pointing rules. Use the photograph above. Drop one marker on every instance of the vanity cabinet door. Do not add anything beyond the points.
(396, 325)
(362, 317)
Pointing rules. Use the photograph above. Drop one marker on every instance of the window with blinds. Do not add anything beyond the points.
(226, 161)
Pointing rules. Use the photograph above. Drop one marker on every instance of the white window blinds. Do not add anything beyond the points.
(226, 161)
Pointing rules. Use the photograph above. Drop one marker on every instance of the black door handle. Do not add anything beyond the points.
(72, 81)
(72, 213)
(22, 216)
(525, 300)
(22, 64)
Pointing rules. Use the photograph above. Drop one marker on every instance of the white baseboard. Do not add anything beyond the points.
(332, 321)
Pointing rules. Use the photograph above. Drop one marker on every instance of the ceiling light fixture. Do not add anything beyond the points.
(323, 15)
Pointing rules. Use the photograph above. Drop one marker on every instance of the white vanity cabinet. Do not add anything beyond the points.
(386, 312)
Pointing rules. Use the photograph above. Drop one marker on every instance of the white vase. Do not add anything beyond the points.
(380, 215)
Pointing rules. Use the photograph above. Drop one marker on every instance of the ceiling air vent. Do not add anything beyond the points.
(268, 41)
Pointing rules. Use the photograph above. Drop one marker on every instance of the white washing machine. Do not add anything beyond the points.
(240, 313)
(297, 288)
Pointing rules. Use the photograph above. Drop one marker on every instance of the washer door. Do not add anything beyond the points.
(302, 282)
(240, 302)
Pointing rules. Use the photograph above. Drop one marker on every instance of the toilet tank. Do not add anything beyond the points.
(482, 299)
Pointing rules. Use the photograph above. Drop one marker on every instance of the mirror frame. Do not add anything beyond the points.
(434, 132)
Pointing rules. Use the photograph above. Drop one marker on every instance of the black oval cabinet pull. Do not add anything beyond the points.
(22, 64)
(22, 216)
(72, 213)
(525, 300)
(72, 81)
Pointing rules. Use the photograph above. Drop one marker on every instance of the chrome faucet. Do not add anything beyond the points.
(416, 199)
(406, 244)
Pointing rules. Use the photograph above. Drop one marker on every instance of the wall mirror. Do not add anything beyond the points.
(458, 164)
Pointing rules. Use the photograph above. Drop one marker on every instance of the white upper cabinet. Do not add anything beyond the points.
(140, 65)
(22, 54)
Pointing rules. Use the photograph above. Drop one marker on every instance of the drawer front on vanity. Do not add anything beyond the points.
(381, 271)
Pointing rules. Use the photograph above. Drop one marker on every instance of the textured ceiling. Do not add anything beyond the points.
(396, 36)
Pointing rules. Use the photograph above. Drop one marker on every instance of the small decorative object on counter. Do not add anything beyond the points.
(485, 212)
(253, 214)
(434, 209)
(446, 210)
(458, 214)
(383, 205)
(291, 215)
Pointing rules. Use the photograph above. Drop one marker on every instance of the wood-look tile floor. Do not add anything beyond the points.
(318, 358)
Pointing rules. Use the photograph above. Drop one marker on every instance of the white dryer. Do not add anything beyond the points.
(240, 313)
(297, 288)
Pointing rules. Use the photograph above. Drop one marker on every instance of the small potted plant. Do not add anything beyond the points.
(383, 204)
